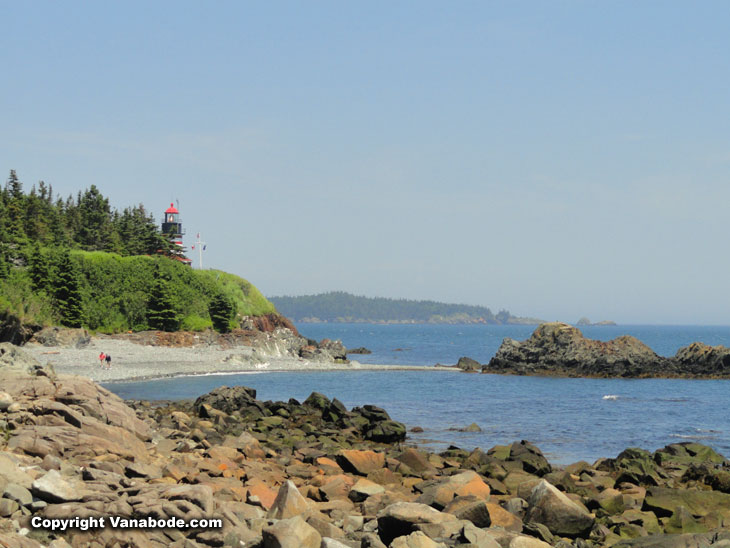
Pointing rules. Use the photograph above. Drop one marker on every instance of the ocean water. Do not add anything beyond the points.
(425, 344)
(569, 419)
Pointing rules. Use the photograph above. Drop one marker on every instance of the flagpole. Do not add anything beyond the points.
(200, 245)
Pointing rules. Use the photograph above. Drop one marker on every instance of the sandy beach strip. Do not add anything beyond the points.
(131, 361)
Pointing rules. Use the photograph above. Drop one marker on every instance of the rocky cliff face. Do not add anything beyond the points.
(561, 349)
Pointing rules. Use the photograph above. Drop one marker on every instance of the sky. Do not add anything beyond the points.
(557, 159)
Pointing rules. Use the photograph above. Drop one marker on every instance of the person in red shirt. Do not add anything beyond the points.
(102, 356)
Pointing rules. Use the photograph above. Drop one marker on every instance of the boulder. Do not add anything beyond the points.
(499, 517)
(470, 508)
(15, 361)
(360, 462)
(415, 540)
(439, 493)
(52, 487)
(473, 536)
(669, 541)
(562, 516)
(386, 432)
(18, 493)
(521, 541)
(665, 501)
(61, 336)
(531, 458)
(6, 400)
(363, 489)
(289, 502)
(14, 540)
(634, 465)
(230, 399)
(403, 518)
(417, 463)
(468, 365)
(291, 533)
(328, 542)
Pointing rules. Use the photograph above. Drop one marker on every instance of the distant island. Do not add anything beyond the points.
(339, 306)
(584, 322)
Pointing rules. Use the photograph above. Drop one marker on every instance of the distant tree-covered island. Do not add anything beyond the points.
(340, 306)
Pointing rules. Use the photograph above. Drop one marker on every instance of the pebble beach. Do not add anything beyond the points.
(132, 361)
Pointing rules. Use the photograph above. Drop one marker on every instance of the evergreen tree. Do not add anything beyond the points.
(4, 264)
(222, 311)
(95, 220)
(14, 187)
(14, 207)
(161, 310)
(67, 294)
(39, 268)
(3, 218)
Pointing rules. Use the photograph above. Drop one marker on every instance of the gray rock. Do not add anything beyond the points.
(552, 508)
(8, 508)
(18, 493)
(291, 533)
(62, 336)
(702, 540)
(230, 399)
(363, 489)
(328, 542)
(52, 487)
(6, 400)
(416, 540)
(370, 540)
(468, 365)
(289, 502)
(403, 518)
(15, 361)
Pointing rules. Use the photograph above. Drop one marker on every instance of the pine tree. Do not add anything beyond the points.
(95, 220)
(4, 264)
(222, 310)
(14, 207)
(39, 268)
(161, 310)
(67, 294)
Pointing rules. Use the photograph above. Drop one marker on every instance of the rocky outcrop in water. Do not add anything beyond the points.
(561, 349)
(309, 474)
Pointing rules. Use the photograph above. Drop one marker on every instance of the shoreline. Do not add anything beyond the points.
(344, 476)
(133, 362)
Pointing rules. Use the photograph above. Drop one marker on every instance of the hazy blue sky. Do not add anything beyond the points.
(557, 159)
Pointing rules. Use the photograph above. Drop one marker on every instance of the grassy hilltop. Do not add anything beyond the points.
(79, 263)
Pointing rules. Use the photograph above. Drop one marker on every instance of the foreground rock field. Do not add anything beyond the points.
(315, 474)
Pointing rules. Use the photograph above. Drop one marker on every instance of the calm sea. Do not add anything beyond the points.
(569, 419)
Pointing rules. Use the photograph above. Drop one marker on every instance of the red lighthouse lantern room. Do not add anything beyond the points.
(173, 230)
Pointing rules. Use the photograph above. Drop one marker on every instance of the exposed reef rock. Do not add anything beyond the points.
(704, 360)
(561, 349)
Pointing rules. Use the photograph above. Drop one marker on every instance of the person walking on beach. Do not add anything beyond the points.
(102, 357)
(108, 359)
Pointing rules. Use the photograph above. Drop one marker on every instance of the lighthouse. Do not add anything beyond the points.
(173, 230)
